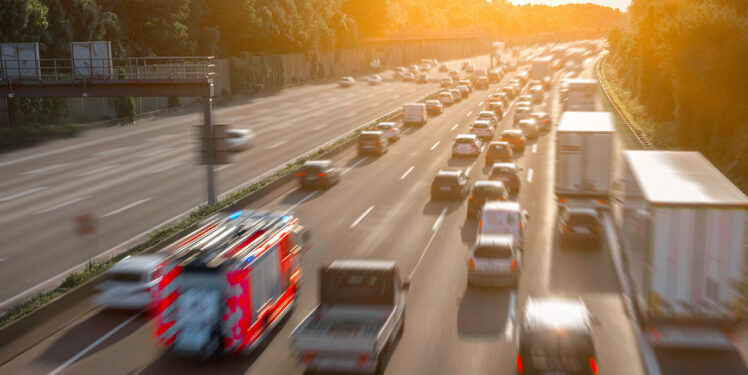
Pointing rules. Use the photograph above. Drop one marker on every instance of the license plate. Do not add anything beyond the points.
(445, 188)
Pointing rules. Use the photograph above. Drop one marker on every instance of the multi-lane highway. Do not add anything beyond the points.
(133, 179)
(382, 209)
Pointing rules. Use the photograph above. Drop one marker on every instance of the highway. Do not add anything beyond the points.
(136, 178)
(382, 210)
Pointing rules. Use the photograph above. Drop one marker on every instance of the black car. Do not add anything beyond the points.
(318, 174)
(482, 192)
(508, 173)
(497, 109)
(372, 142)
(543, 120)
(579, 225)
(450, 185)
(554, 336)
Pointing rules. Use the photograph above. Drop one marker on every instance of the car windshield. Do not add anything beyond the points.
(582, 219)
(493, 252)
(126, 277)
(487, 191)
(553, 351)
(312, 168)
(497, 148)
(502, 170)
(480, 125)
(369, 137)
(464, 141)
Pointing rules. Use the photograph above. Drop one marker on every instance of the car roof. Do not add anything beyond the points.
(486, 113)
(387, 123)
(504, 165)
(558, 313)
(501, 206)
(527, 121)
(372, 132)
(447, 172)
(485, 122)
(361, 264)
(494, 240)
(499, 143)
(488, 183)
(139, 264)
(463, 136)
(582, 211)
(512, 131)
(317, 163)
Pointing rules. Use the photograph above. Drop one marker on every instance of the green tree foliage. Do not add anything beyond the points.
(22, 21)
(686, 63)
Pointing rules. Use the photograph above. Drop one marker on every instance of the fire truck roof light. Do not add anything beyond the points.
(235, 215)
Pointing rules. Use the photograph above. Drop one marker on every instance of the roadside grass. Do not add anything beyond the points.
(94, 269)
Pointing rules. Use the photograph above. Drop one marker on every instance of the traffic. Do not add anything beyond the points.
(478, 233)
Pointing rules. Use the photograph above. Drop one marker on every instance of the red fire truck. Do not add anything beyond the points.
(225, 286)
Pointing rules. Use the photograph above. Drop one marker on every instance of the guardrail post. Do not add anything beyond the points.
(208, 115)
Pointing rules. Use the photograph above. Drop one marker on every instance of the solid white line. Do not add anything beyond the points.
(362, 216)
(438, 221)
(407, 172)
(156, 152)
(426, 249)
(111, 151)
(94, 344)
(97, 170)
(129, 206)
(45, 169)
(61, 205)
(455, 127)
(529, 175)
(353, 166)
(167, 167)
(469, 113)
(22, 193)
(281, 143)
(534, 148)
(435, 144)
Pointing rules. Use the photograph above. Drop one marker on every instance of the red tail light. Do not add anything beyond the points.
(300, 174)
(362, 360)
(322, 175)
(514, 265)
(593, 365)
(472, 198)
(564, 229)
(471, 264)
(307, 357)
(519, 364)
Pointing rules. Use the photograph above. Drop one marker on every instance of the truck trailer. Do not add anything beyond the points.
(684, 239)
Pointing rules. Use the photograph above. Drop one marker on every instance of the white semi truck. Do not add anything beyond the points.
(578, 94)
(584, 156)
(541, 67)
(684, 239)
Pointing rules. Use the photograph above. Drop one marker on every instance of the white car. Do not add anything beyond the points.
(446, 82)
(489, 116)
(495, 260)
(446, 98)
(466, 145)
(482, 129)
(129, 283)
(346, 82)
(390, 130)
(375, 80)
(239, 139)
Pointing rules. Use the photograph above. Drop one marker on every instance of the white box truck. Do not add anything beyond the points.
(584, 156)
(684, 237)
(579, 94)
(414, 114)
(541, 67)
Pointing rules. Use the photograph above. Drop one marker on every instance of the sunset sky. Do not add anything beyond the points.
(620, 4)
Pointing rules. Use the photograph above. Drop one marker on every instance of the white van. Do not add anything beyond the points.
(504, 217)
(414, 113)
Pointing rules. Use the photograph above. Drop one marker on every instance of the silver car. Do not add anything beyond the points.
(129, 283)
(495, 260)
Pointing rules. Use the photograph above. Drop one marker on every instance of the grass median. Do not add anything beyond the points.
(93, 269)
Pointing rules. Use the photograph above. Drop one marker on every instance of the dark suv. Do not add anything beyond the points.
(482, 192)
(372, 142)
(501, 151)
(508, 173)
(450, 185)
(318, 174)
(579, 225)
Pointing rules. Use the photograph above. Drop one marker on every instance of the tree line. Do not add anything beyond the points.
(686, 63)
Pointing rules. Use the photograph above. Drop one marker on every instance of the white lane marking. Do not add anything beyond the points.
(129, 206)
(111, 151)
(438, 221)
(63, 204)
(455, 127)
(509, 326)
(22, 193)
(481, 103)
(469, 113)
(167, 167)
(45, 169)
(529, 175)
(407, 172)
(467, 171)
(223, 167)
(428, 244)
(353, 166)
(435, 144)
(97, 170)
(281, 143)
(534, 148)
(362, 216)
(156, 152)
(319, 127)
(94, 344)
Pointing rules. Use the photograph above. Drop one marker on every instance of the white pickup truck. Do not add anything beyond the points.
(360, 316)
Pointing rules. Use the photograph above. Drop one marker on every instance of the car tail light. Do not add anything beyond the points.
(362, 360)
(403, 114)
(519, 364)
(514, 265)
(472, 198)
(307, 357)
(593, 365)
(377, 143)
(300, 174)
(322, 175)
(471, 264)
(564, 229)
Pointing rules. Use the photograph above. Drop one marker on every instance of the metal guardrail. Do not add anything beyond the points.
(645, 144)
(134, 68)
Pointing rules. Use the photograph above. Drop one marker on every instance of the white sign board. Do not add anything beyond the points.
(92, 59)
(19, 61)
